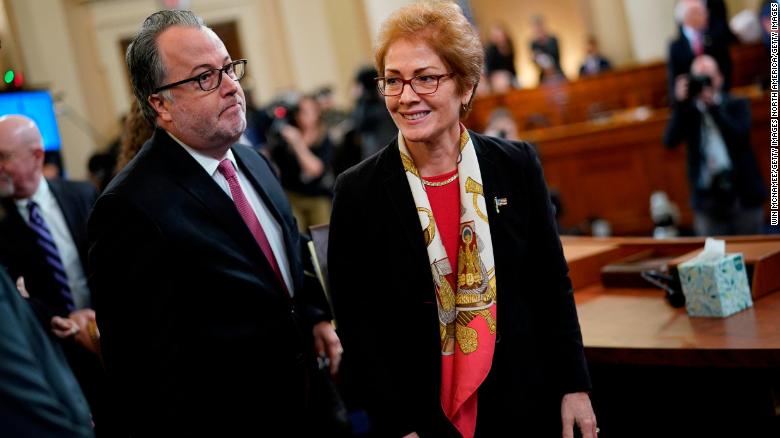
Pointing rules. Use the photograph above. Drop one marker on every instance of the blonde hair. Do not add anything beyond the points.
(442, 26)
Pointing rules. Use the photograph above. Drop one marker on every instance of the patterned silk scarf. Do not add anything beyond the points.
(466, 299)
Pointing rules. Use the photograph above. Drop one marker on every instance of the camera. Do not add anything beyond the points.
(282, 113)
(696, 84)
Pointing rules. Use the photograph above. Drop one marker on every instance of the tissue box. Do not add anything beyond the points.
(716, 288)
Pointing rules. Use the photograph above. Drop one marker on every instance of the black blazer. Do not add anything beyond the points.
(681, 57)
(197, 335)
(384, 301)
(38, 394)
(733, 119)
(23, 257)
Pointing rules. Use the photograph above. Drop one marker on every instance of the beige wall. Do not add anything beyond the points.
(351, 43)
(50, 61)
(652, 27)
(564, 18)
(608, 24)
(327, 41)
(73, 46)
(378, 10)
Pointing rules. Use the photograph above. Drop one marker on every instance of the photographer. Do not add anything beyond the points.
(302, 149)
(726, 188)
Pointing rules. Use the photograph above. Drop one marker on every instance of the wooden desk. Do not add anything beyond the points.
(658, 372)
(638, 326)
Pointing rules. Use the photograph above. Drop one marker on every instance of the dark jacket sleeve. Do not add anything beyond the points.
(312, 301)
(556, 304)
(367, 379)
(127, 260)
(733, 120)
(38, 394)
(679, 124)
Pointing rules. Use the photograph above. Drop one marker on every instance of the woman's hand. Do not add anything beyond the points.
(293, 136)
(576, 409)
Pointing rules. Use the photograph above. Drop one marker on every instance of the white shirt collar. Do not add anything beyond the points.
(208, 163)
(42, 196)
(690, 33)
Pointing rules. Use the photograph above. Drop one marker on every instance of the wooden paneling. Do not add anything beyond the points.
(609, 169)
(596, 97)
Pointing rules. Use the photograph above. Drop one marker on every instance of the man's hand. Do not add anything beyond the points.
(707, 96)
(63, 327)
(576, 408)
(681, 88)
(327, 343)
(20, 287)
(80, 324)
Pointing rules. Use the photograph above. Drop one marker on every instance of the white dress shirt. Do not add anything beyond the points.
(272, 228)
(69, 254)
(715, 154)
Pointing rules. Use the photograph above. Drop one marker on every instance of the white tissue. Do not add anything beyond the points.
(714, 250)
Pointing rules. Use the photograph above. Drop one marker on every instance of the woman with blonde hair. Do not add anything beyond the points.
(449, 283)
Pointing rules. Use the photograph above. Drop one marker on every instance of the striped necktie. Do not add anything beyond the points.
(44, 239)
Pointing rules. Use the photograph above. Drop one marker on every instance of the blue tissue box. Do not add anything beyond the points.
(715, 288)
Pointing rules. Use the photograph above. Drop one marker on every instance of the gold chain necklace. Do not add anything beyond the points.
(440, 183)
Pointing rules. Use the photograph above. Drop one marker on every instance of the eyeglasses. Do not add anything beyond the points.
(211, 79)
(6, 157)
(423, 84)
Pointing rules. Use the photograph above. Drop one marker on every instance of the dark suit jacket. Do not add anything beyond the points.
(604, 65)
(733, 119)
(38, 394)
(681, 57)
(197, 335)
(383, 297)
(23, 257)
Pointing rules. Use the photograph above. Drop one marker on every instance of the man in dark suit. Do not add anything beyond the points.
(206, 316)
(43, 238)
(38, 394)
(697, 37)
(63, 206)
(595, 62)
(727, 193)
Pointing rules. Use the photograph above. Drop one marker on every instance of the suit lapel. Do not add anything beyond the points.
(494, 185)
(404, 210)
(262, 179)
(13, 225)
(68, 206)
(192, 178)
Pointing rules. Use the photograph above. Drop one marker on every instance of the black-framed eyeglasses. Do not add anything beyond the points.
(423, 84)
(211, 79)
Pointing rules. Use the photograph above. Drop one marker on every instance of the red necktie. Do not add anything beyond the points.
(245, 210)
(698, 47)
